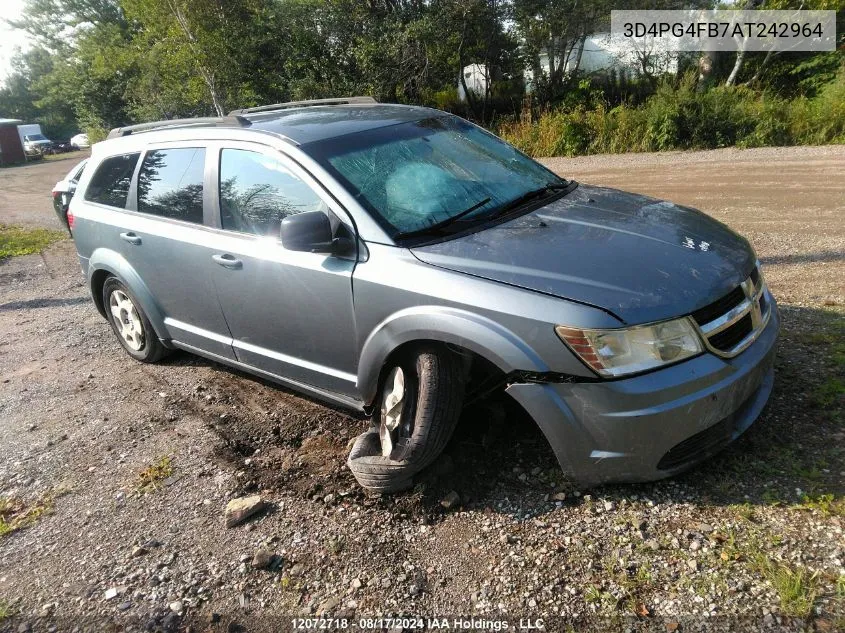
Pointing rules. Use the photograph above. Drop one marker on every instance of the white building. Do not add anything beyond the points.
(601, 53)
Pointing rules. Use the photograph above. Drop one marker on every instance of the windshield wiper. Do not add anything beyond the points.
(528, 196)
(444, 223)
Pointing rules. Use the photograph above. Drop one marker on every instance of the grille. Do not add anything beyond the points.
(718, 308)
(733, 322)
(699, 446)
(729, 338)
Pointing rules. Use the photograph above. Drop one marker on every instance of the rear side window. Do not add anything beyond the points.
(110, 183)
(257, 192)
(170, 183)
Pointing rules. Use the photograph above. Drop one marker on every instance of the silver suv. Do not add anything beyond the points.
(401, 262)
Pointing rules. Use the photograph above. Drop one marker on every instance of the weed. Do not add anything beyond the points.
(593, 595)
(829, 393)
(796, 588)
(744, 511)
(16, 514)
(17, 240)
(336, 545)
(772, 498)
(6, 610)
(826, 504)
(151, 477)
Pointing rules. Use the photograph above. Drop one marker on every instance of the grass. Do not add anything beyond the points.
(16, 514)
(796, 588)
(151, 477)
(6, 610)
(77, 154)
(825, 504)
(17, 240)
(830, 392)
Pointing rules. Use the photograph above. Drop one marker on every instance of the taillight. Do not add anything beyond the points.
(70, 219)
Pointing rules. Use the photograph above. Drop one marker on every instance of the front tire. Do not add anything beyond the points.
(418, 407)
(129, 323)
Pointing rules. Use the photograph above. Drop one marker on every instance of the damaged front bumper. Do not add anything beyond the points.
(657, 424)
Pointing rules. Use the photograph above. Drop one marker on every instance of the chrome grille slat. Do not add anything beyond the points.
(755, 306)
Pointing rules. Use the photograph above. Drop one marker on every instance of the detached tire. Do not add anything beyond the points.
(417, 408)
(129, 323)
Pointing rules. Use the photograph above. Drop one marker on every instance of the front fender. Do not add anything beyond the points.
(471, 331)
(103, 259)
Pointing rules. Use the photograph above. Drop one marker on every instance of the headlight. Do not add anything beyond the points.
(614, 353)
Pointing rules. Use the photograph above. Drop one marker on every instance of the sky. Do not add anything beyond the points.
(10, 38)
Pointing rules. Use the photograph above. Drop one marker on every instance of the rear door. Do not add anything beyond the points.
(161, 235)
(290, 313)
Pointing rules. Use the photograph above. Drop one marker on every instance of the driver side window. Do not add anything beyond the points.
(257, 192)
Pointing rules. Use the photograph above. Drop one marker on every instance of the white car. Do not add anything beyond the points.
(80, 141)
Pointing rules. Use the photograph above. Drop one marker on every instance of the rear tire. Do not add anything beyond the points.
(418, 408)
(129, 323)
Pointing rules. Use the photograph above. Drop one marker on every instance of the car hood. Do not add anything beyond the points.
(640, 258)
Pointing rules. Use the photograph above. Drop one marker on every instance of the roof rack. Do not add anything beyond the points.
(298, 104)
(224, 121)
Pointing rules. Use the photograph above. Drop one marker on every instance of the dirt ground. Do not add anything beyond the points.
(751, 539)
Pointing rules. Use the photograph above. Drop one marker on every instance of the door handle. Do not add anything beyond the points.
(228, 261)
(131, 238)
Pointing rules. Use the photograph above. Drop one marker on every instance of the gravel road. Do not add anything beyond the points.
(751, 539)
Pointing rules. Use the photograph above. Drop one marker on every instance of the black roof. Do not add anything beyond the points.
(317, 123)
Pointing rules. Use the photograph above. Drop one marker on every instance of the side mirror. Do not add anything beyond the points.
(310, 231)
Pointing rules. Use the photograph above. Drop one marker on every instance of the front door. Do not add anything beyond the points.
(290, 313)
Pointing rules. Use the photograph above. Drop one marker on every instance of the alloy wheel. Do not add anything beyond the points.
(128, 321)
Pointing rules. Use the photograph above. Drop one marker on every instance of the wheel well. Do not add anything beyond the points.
(478, 370)
(98, 280)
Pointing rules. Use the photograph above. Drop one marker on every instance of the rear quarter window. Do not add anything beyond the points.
(110, 183)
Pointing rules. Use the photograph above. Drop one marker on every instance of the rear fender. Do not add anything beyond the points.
(103, 259)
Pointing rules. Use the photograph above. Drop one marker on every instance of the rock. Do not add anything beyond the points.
(328, 606)
(329, 499)
(692, 564)
(450, 500)
(609, 506)
(672, 626)
(124, 606)
(705, 528)
(140, 551)
(561, 496)
(114, 592)
(24, 627)
(414, 590)
(652, 544)
(356, 584)
(695, 545)
(262, 558)
(240, 509)
(176, 606)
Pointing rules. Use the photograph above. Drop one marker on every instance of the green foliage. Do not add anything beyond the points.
(6, 610)
(684, 118)
(16, 514)
(797, 588)
(151, 477)
(17, 240)
(97, 64)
